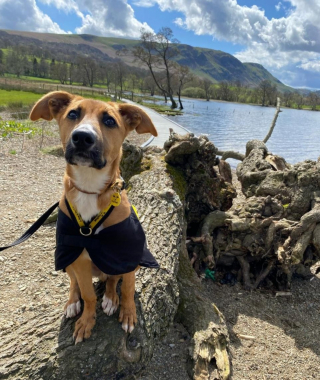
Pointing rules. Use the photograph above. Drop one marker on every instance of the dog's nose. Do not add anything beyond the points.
(83, 139)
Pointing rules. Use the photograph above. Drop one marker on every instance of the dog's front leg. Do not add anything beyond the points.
(110, 301)
(128, 315)
(82, 270)
(73, 306)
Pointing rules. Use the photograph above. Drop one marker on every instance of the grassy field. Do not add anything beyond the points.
(28, 98)
(24, 97)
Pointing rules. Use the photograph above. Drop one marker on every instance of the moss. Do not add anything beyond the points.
(179, 182)
(54, 151)
(128, 171)
(146, 164)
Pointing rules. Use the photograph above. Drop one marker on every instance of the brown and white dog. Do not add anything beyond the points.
(92, 133)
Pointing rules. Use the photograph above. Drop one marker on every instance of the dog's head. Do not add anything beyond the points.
(91, 131)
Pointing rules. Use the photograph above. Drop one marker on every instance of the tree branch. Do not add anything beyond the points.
(273, 124)
(230, 154)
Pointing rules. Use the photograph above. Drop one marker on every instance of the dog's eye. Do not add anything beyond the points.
(73, 115)
(109, 121)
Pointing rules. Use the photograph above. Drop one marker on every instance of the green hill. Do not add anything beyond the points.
(215, 65)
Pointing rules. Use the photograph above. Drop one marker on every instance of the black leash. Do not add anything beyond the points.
(46, 215)
(33, 228)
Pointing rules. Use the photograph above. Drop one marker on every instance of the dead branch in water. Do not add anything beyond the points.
(239, 156)
(273, 124)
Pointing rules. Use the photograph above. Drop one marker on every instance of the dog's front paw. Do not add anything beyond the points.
(128, 317)
(83, 328)
(72, 309)
(110, 304)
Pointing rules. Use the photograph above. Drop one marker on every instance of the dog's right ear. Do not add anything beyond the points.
(50, 105)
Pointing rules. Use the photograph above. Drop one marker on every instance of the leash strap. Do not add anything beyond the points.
(96, 222)
(33, 228)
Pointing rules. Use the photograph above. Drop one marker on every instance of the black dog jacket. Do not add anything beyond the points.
(117, 249)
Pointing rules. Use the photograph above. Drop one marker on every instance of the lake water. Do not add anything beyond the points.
(229, 126)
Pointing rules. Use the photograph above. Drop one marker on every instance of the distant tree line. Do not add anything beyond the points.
(155, 71)
(264, 94)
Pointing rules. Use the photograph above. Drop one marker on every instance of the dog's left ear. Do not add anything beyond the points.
(49, 106)
(135, 118)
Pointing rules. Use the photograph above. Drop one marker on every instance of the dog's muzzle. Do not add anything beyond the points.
(83, 140)
(84, 148)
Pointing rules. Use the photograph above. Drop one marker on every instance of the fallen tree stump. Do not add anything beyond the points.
(273, 233)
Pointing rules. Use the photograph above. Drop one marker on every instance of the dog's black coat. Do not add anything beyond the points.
(117, 249)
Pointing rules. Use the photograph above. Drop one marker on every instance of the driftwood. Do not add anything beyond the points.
(274, 232)
(46, 350)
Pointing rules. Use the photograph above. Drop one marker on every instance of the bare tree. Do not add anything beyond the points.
(313, 100)
(107, 74)
(299, 99)
(43, 68)
(16, 61)
(61, 72)
(120, 75)
(88, 69)
(238, 87)
(182, 76)
(71, 72)
(206, 84)
(272, 94)
(263, 88)
(156, 52)
(224, 90)
(150, 85)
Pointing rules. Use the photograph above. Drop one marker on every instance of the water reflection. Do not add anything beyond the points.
(229, 126)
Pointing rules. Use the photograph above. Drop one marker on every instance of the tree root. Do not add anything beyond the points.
(231, 154)
(264, 274)
(245, 266)
(204, 322)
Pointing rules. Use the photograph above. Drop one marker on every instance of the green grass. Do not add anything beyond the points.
(14, 99)
(10, 128)
(24, 97)
(165, 110)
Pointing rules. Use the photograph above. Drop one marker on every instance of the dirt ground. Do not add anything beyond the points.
(284, 331)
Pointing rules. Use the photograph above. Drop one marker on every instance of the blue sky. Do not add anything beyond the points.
(283, 36)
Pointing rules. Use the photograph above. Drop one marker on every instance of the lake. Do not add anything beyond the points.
(229, 126)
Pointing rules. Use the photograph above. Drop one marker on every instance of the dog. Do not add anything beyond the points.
(92, 133)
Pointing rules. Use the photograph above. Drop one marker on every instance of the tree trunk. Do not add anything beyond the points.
(173, 102)
(179, 98)
(43, 348)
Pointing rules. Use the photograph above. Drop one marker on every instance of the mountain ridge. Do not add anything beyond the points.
(215, 65)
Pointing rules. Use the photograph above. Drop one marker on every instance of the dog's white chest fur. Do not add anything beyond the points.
(89, 180)
(86, 204)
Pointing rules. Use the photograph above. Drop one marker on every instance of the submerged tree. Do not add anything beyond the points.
(156, 52)
(181, 77)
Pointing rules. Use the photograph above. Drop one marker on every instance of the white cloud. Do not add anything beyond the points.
(145, 3)
(110, 18)
(103, 17)
(311, 66)
(278, 6)
(25, 15)
(275, 43)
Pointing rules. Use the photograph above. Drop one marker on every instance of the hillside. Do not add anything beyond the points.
(212, 64)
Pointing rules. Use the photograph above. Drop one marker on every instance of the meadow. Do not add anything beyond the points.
(9, 98)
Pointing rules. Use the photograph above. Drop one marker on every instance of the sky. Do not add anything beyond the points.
(283, 36)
